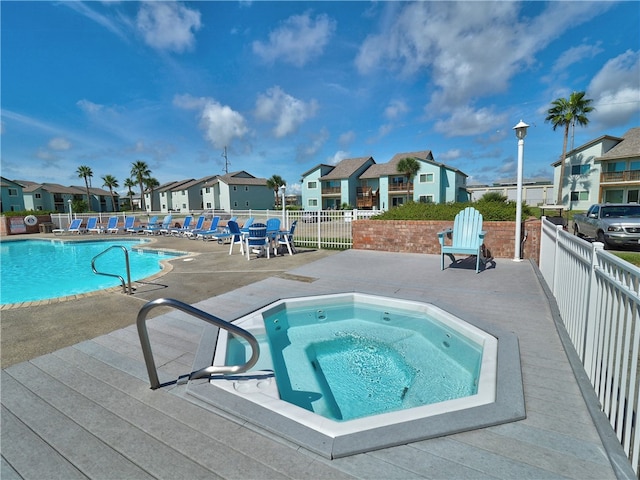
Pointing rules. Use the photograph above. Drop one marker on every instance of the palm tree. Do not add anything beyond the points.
(566, 112)
(410, 167)
(274, 183)
(140, 170)
(111, 182)
(150, 183)
(129, 184)
(85, 172)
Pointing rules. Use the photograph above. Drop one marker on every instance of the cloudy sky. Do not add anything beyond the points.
(285, 86)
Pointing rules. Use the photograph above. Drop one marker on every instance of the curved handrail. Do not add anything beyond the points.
(218, 322)
(126, 260)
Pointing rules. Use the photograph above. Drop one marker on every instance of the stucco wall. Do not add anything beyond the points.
(421, 236)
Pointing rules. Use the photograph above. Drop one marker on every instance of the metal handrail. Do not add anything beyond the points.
(126, 259)
(218, 322)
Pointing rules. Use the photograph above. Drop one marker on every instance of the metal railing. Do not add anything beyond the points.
(213, 320)
(126, 261)
(598, 296)
(315, 229)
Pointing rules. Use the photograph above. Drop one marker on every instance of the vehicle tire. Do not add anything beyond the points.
(600, 238)
(31, 220)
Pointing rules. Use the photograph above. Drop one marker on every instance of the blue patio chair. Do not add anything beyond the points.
(153, 221)
(186, 224)
(74, 227)
(199, 227)
(92, 225)
(211, 232)
(467, 237)
(112, 225)
(285, 238)
(233, 234)
(155, 229)
(130, 225)
(257, 239)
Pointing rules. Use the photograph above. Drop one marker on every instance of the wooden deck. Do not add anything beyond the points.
(87, 411)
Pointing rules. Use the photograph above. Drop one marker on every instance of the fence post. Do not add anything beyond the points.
(556, 255)
(591, 326)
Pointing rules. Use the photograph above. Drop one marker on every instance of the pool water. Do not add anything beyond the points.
(32, 270)
(349, 361)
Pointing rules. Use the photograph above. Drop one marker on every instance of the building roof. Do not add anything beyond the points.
(52, 188)
(586, 145)
(237, 178)
(391, 167)
(320, 165)
(629, 146)
(346, 168)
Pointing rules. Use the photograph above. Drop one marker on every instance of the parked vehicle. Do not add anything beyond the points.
(614, 224)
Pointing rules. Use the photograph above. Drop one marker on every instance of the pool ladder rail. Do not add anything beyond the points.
(218, 322)
(126, 259)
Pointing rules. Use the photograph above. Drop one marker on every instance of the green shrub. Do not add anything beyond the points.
(492, 211)
(24, 213)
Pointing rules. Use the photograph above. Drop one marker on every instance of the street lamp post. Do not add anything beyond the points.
(70, 212)
(521, 132)
(283, 188)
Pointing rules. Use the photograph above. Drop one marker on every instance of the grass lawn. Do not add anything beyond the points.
(631, 257)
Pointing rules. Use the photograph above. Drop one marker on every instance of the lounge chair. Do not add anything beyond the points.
(130, 225)
(245, 228)
(74, 227)
(198, 226)
(467, 237)
(257, 239)
(285, 238)
(155, 229)
(92, 225)
(193, 233)
(112, 225)
(211, 232)
(186, 224)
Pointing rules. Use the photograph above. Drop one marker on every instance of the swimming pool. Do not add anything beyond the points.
(33, 270)
(254, 396)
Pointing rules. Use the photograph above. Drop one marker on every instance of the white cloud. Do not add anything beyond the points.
(467, 121)
(305, 152)
(59, 144)
(299, 39)
(395, 109)
(337, 157)
(89, 107)
(347, 138)
(168, 25)
(220, 123)
(576, 54)
(287, 112)
(616, 90)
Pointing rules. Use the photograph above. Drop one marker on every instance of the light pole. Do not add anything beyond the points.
(521, 132)
(70, 212)
(283, 188)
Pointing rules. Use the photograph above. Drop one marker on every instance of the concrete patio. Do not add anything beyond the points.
(86, 411)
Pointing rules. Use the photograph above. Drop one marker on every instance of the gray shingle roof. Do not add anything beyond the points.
(237, 178)
(628, 147)
(346, 168)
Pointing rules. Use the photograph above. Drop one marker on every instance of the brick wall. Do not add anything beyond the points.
(19, 226)
(421, 236)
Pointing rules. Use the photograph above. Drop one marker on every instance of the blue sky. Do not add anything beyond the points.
(288, 85)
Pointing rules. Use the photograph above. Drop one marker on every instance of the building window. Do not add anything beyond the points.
(313, 202)
(580, 169)
(426, 178)
(38, 195)
(13, 192)
(246, 204)
(579, 196)
(235, 204)
(246, 189)
(208, 204)
(184, 206)
(312, 185)
(184, 193)
(426, 198)
(235, 189)
(206, 190)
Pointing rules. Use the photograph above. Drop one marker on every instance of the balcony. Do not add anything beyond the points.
(330, 190)
(400, 187)
(619, 177)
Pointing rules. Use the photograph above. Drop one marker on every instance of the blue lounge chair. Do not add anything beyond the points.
(74, 227)
(467, 237)
(186, 225)
(200, 227)
(245, 227)
(257, 239)
(112, 225)
(155, 229)
(130, 225)
(211, 232)
(92, 225)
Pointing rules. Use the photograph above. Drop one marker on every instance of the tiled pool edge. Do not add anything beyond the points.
(508, 407)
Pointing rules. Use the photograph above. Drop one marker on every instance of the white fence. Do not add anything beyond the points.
(315, 229)
(598, 296)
